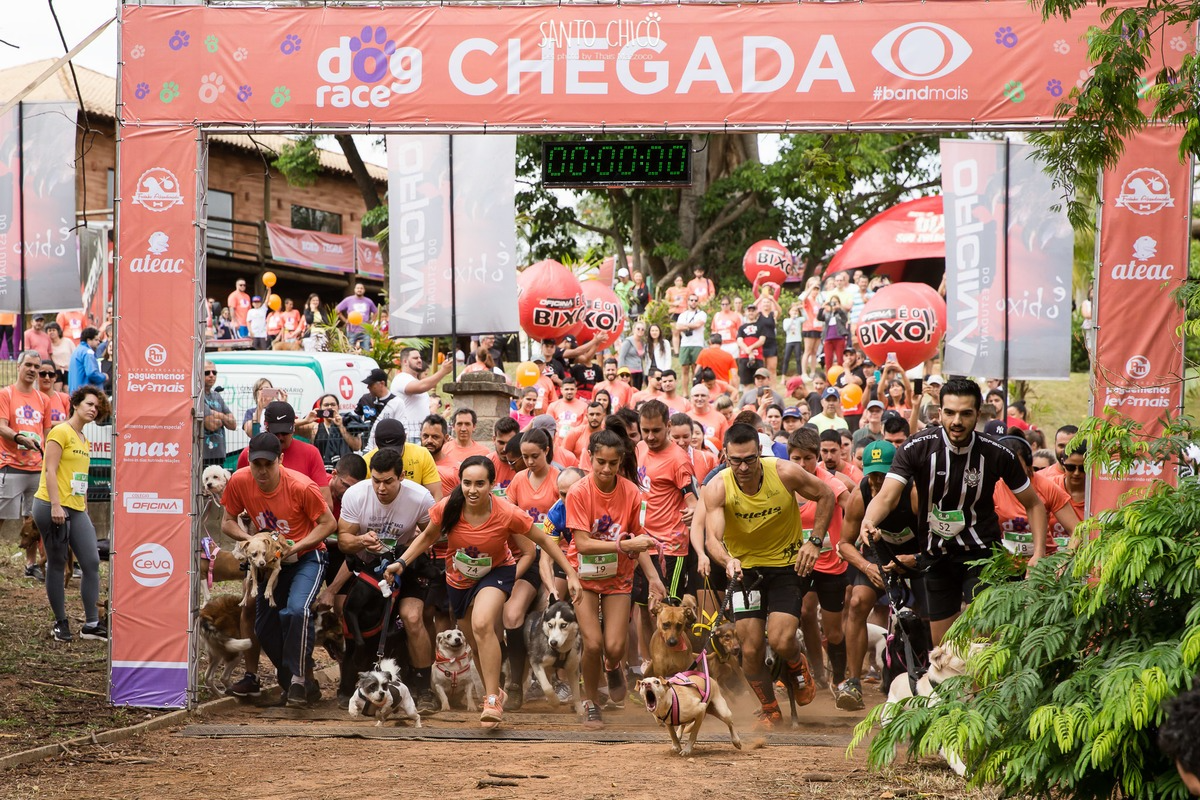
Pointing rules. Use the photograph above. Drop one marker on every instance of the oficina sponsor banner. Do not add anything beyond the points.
(1143, 258)
(623, 66)
(155, 383)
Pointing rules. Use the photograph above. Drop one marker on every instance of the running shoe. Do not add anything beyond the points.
(493, 711)
(61, 632)
(591, 717)
(768, 718)
(517, 693)
(534, 692)
(563, 691)
(35, 572)
(95, 630)
(617, 687)
(297, 696)
(247, 686)
(848, 696)
(427, 702)
(805, 687)
(312, 691)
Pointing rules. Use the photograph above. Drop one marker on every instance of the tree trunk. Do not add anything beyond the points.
(358, 169)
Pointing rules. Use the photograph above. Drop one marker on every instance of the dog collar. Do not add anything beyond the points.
(441, 662)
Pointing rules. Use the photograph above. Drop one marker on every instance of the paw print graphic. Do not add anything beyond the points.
(1085, 75)
(211, 43)
(1014, 91)
(290, 44)
(244, 93)
(1054, 87)
(653, 16)
(178, 40)
(137, 52)
(1179, 44)
(1061, 47)
(240, 54)
(280, 96)
(141, 90)
(472, 551)
(604, 524)
(372, 48)
(1006, 37)
(170, 91)
(212, 86)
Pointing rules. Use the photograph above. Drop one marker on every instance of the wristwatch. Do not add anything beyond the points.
(816, 541)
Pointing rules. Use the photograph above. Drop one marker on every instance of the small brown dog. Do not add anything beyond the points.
(684, 700)
(220, 628)
(262, 552)
(225, 566)
(671, 644)
(281, 345)
(725, 659)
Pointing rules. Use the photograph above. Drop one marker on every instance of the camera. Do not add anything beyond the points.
(325, 413)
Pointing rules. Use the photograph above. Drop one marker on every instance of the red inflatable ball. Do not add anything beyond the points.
(908, 319)
(603, 315)
(768, 261)
(549, 300)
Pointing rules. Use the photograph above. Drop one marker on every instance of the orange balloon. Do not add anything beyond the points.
(354, 318)
(273, 302)
(833, 373)
(527, 374)
(268, 279)
(851, 396)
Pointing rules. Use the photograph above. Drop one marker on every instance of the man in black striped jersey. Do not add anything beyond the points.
(955, 471)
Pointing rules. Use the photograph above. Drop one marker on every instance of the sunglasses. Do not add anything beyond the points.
(210, 372)
(1072, 467)
(48, 374)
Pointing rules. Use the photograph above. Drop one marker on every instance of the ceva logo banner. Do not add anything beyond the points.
(152, 564)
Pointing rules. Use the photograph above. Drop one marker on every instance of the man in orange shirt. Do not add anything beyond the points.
(701, 286)
(24, 423)
(669, 398)
(464, 444)
(547, 393)
(714, 421)
(239, 307)
(716, 358)
(653, 389)
(620, 391)
(577, 440)
(72, 323)
(568, 410)
(833, 461)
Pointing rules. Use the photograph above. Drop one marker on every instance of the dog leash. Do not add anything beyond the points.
(387, 616)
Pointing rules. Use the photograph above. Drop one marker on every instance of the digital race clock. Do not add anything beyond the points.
(637, 162)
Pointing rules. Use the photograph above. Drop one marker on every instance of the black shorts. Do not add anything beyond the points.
(810, 334)
(914, 580)
(678, 568)
(830, 589)
(746, 369)
(460, 600)
(420, 577)
(770, 350)
(779, 592)
(950, 582)
(533, 576)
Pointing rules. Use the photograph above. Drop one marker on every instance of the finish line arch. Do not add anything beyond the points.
(188, 71)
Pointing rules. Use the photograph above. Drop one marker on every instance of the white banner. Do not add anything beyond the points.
(420, 191)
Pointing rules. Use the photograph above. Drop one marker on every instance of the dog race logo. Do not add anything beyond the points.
(1145, 191)
(354, 71)
(152, 565)
(28, 415)
(157, 259)
(267, 521)
(158, 190)
(607, 529)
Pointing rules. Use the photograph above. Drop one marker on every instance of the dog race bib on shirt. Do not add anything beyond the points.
(1063, 542)
(946, 524)
(902, 537)
(1019, 542)
(597, 567)
(79, 484)
(746, 601)
(473, 568)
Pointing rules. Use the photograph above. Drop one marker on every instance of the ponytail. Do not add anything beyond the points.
(454, 506)
(540, 439)
(615, 435)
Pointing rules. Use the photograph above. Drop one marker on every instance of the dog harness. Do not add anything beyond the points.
(684, 679)
(445, 666)
(211, 549)
(370, 581)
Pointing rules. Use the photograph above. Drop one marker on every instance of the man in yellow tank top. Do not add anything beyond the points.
(753, 530)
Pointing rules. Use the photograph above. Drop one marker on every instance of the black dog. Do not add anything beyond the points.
(363, 617)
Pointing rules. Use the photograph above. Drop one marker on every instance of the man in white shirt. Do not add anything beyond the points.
(691, 326)
(411, 402)
(256, 320)
(380, 518)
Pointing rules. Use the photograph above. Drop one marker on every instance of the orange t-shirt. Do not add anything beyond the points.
(457, 454)
(726, 323)
(469, 543)
(677, 404)
(851, 471)
(28, 413)
(642, 396)
(60, 407)
(618, 390)
(566, 414)
(702, 288)
(291, 510)
(72, 324)
(1011, 511)
(448, 472)
(239, 306)
(721, 363)
(677, 299)
(535, 502)
(663, 475)
(504, 474)
(293, 325)
(607, 517)
(714, 423)
(702, 461)
(576, 441)
(547, 394)
(829, 562)
(566, 457)
(1061, 482)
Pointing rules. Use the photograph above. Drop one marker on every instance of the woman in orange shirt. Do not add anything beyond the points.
(480, 567)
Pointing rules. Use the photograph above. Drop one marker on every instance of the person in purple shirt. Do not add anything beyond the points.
(364, 305)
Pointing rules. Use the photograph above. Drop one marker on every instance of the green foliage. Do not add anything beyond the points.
(299, 162)
(1065, 700)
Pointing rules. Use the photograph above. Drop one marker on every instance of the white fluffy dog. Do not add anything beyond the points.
(214, 479)
(384, 692)
(454, 670)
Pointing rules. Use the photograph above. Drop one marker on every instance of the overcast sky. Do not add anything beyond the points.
(35, 37)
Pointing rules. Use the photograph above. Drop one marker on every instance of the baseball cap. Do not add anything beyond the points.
(544, 422)
(794, 383)
(995, 427)
(622, 273)
(762, 372)
(791, 412)
(624, 371)
(831, 393)
(874, 404)
(256, 298)
(935, 379)
(891, 413)
(39, 316)
(390, 433)
(878, 457)
(375, 376)
(280, 417)
(265, 446)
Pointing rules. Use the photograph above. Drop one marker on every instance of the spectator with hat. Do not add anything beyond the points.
(750, 341)
(871, 429)
(623, 287)
(830, 417)
(372, 404)
(279, 419)
(256, 322)
(37, 338)
(792, 420)
(762, 386)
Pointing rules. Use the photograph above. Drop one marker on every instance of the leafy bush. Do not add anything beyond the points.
(1065, 701)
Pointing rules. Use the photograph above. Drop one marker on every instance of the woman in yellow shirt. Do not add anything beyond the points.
(60, 512)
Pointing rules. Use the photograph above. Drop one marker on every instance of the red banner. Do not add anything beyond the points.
(330, 252)
(155, 387)
(369, 258)
(1138, 367)
(620, 66)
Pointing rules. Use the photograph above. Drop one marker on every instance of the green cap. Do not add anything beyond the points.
(878, 457)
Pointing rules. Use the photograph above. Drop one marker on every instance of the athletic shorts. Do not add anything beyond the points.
(675, 579)
(779, 592)
(770, 349)
(688, 355)
(460, 600)
(950, 582)
(830, 589)
(810, 334)
(17, 488)
(533, 576)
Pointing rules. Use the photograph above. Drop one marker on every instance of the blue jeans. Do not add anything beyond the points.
(286, 632)
(360, 339)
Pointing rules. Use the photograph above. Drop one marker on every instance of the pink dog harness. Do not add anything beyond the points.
(684, 679)
(211, 549)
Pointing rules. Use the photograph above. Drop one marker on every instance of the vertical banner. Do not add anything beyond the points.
(419, 235)
(93, 272)
(1138, 362)
(485, 233)
(155, 387)
(51, 250)
(484, 253)
(10, 211)
(973, 188)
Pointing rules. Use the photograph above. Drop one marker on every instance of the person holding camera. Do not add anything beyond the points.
(837, 329)
(217, 418)
(326, 429)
